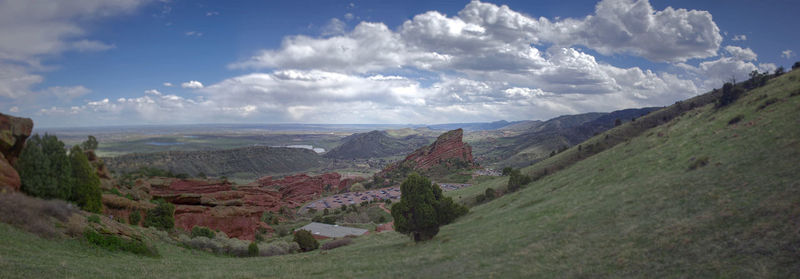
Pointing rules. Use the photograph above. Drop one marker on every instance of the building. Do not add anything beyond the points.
(322, 231)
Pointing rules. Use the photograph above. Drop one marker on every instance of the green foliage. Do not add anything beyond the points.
(306, 240)
(93, 219)
(44, 168)
(516, 180)
(333, 244)
(423, 208)
(161, 217)
(202, 231)
(269, 218)
(507, 171)
(490, 193)
(115, 243)
(730, 93)
(252, 249)
(86, 188)
(135, 217)
(796, 65)
(90, 143)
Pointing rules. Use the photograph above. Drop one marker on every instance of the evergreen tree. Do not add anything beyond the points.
(44, 168)
(86, 185)
(90, 143)
(423, 208)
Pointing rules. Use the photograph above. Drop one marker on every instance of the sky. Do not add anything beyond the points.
(144, 62)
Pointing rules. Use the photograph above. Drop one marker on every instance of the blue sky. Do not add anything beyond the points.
(90, 63)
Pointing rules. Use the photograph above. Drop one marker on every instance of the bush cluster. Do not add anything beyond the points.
(222, 245)
(336, 243)
(135, 217)
(516, 180)
(305, 240)
(202, 231)
(48, 172)
(33, 214)
(161, 217)
(116, 243)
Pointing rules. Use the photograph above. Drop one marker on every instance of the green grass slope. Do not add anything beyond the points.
(633, 210)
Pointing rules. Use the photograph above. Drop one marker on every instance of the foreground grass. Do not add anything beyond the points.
(634, 210)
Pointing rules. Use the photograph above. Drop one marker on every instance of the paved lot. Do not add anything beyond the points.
(391, 193)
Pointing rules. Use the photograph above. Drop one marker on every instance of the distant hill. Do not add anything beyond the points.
(252, 161)
(445, 156)
(477, 126)
(536, 140)
(375, 144)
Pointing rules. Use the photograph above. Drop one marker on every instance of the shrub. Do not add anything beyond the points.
(135, 217)
(423, 208)
(202, 231)
(730, 93)
(33, 214)
(517, 180)
(387, 201)
(767, 103)
(305, 240)
(115, 243)
(282, 231)
(490, 194)
(161, 217)
(93, 219)
(480, 198)
(795, 65)
(507, 171)
(277, 248)
(700, 162)
(735, 119)
(252, 249)
(333, 244)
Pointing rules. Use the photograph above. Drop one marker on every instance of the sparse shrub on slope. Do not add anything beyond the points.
(423, 208)
(305, 240)
(516, 180)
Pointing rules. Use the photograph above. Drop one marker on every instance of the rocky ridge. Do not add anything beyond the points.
(13, 133)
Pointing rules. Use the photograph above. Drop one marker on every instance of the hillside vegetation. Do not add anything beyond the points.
(251, 161)
(710, 192)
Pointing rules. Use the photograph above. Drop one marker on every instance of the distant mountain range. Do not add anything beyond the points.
(536, 140)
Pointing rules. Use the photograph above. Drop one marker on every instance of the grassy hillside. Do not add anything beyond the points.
(251, 161)
(636, 209)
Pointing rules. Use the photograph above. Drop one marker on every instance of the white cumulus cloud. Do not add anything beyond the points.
(193, 84)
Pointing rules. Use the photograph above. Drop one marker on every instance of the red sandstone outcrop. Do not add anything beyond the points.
(237, 209)
(14, 131)
(447, 150)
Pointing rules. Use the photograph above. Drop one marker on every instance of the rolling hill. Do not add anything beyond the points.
(691, 190)
(252, 162)
(375, 144)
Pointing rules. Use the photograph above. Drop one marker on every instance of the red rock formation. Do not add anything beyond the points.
(237, 210)
(447, 149)
(14, 131)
